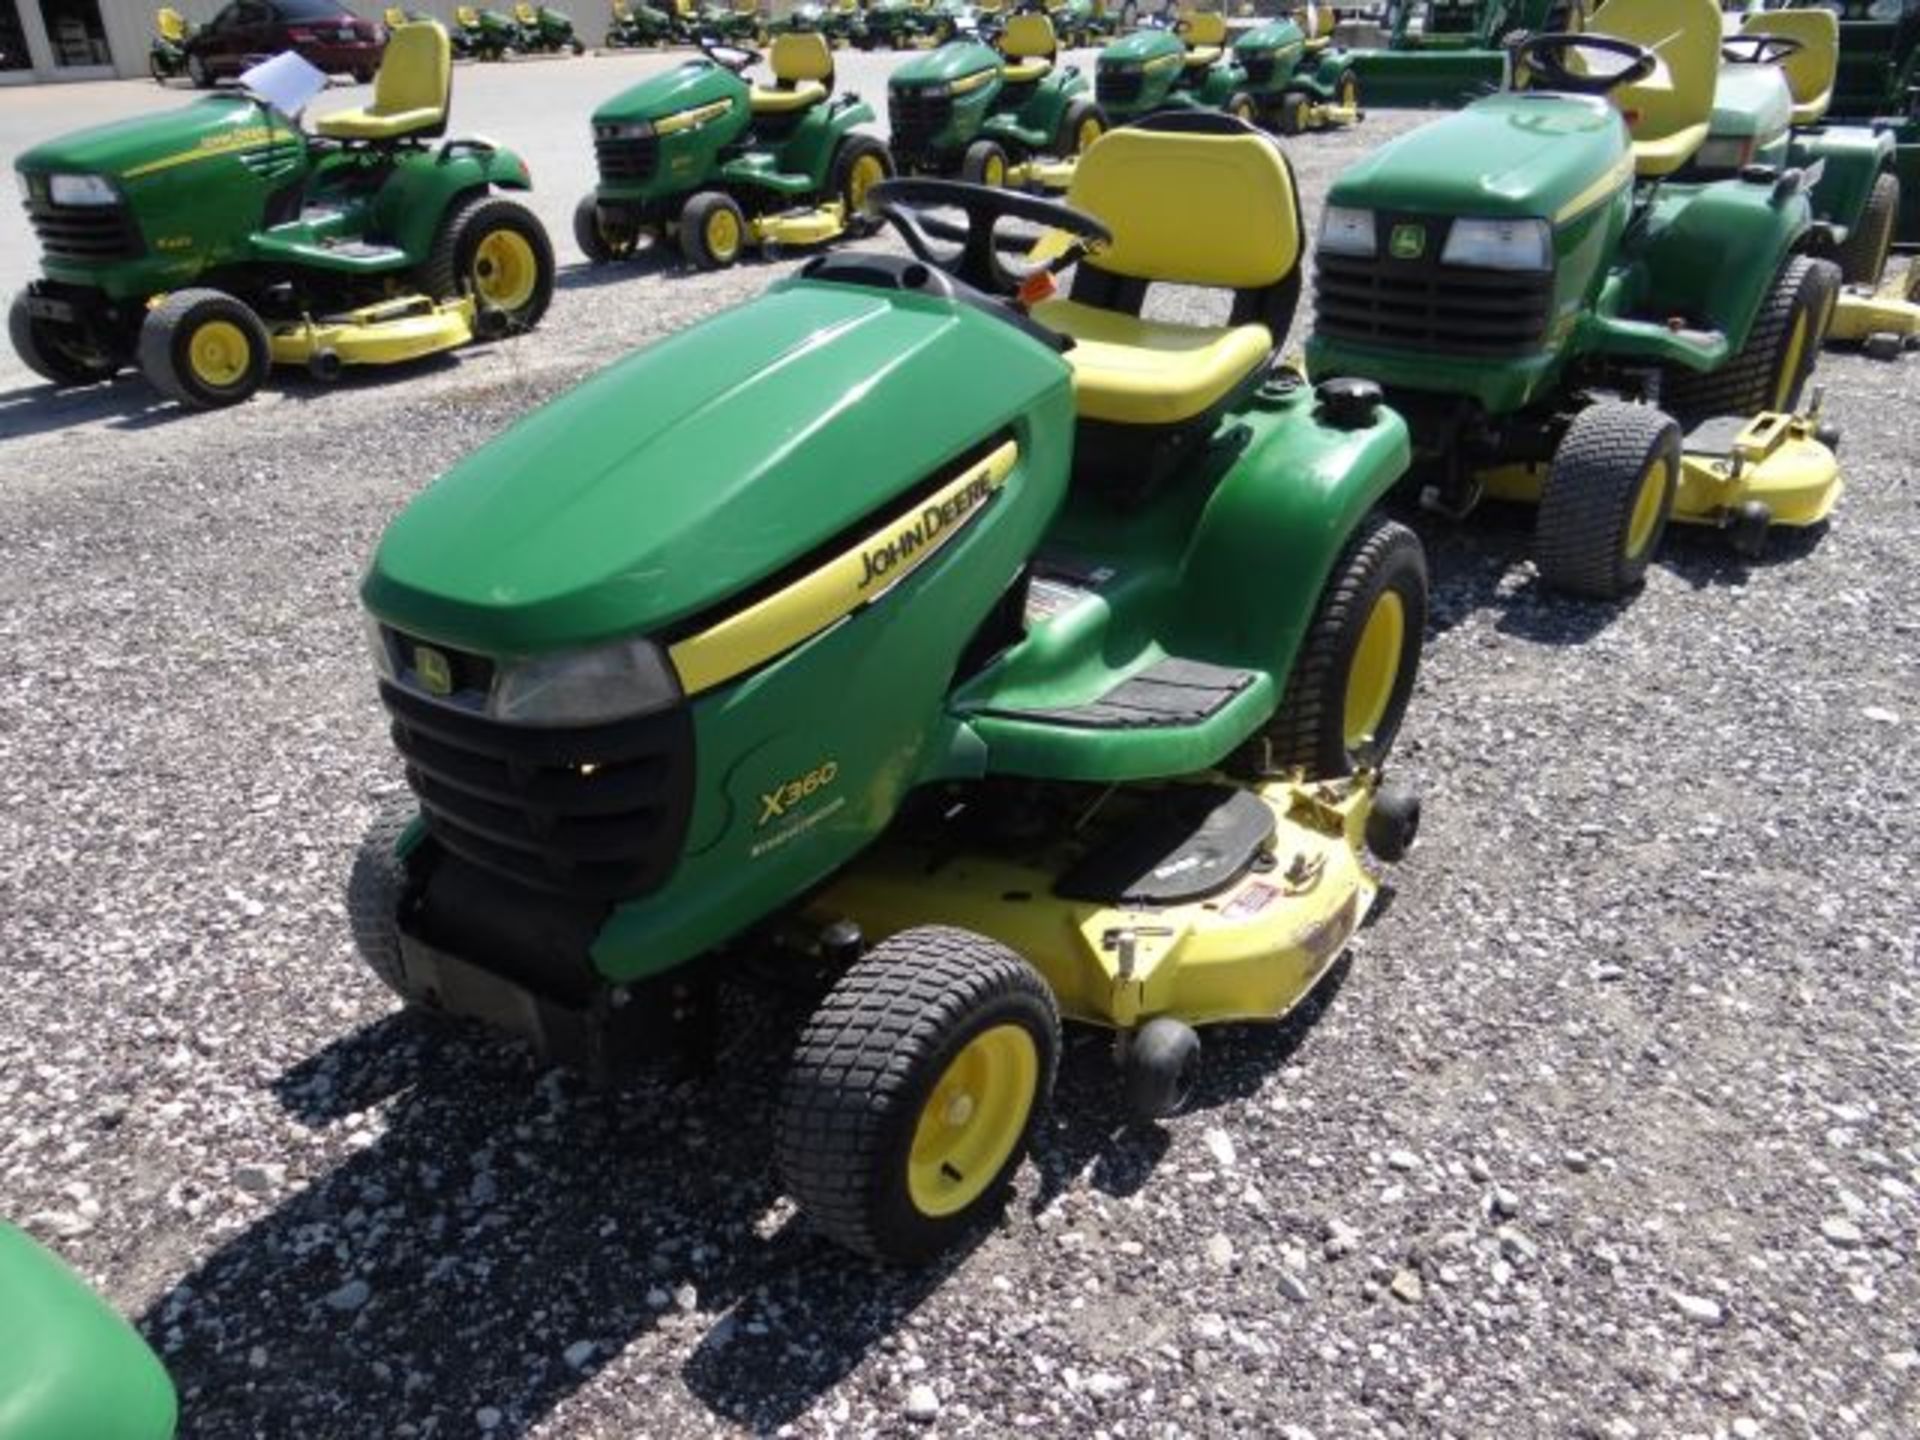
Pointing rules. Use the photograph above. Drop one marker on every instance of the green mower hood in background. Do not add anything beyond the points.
(956, 60)
(70, 1368)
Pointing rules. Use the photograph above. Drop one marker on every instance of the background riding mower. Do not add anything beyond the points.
(904, 25)
(1775, 92)
(167, 56)
(1541, 300)
(1447, 52)
(697, 155)
(1879, 84)
(208, 242)
(1298, 80)
(490, 34)
(738, 23)
(1013, 116)
(635, 25)
(546, 31)
(69, 1366)
(839, 22)
(1183, 67)
(861, 628)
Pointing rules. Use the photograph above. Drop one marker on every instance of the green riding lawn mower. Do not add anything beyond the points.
(1563, 320)
(487, 34)
(1447, 52)
(546, 31)
(70, 1367)
(1771, 110)
(994, 658)
(1009, 116)
(1278, 74)
(634, 25)
(839, 22)
(1879, 84)
(206, 244)
(905, 25)
(698, 156)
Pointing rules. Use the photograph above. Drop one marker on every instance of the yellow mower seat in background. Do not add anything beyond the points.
(1210, 210)
(1205, 32)
(1669, 116)
(802, 68)
(1317, 27)
(1812, 71)
(171, 24)
(466, 17)
(395, 17)
(1029, 43)
(526, 14)
(410, 92)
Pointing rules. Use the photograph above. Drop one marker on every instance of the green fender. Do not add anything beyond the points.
(1223, 81)
(424, 187)
(70, 1367)
(810, 150)
(1854, 157)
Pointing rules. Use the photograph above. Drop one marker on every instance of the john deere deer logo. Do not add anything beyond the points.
(1409, 242)
(433, 670)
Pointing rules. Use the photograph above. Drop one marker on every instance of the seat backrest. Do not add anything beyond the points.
(1029, 37)
(1685, 34)
(416, 72)
(1209, 209)
(467, 16)
(525, 13)
(1204, 27)
(803, 56)
(746, 7)
(1812, 70)
(171, 24)
(1316, 22)
(394, 16)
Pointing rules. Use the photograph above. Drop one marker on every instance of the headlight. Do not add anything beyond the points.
(26, 185)
(635, 130)
(381, 647)
(81, 190)
(584, 687)
(1500, 245)
(1724, 154)
(1346, 231)
(1885, 9)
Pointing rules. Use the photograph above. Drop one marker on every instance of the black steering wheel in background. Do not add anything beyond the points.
(1759, 49)
(727, 55)
(905, 203)
(1546, 59)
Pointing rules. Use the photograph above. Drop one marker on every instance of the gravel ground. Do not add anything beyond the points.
(1607, 1128)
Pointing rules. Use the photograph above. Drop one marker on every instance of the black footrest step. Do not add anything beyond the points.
(1172, 692)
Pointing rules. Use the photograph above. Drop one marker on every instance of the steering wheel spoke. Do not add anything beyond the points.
(1549, 60)
(973, 253)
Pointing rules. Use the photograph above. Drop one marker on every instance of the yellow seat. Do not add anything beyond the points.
(466, 17)
(1812, 70)
(171, 25)
(1317, 25)
(1214, 210)
(1030, 45)
(802, 68)
(1668, 114)
(1205, 32)
(526, 14)
(410, 93)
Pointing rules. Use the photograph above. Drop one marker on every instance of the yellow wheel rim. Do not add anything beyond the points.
(972, 1120)
(505, 271)
(219, 354)
(1349, 92)
(1376, 668)
(994, 172)
(723, 234)
(867, 173)
(1790, 365)
(1090, 131)
(1647, 506)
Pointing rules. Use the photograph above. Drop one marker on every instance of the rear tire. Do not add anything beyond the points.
(713, 231)
(1772, 369)
(914, 1090)
(198, 73)
(497, 250)
(1863, 258)
(984, 163)
(50, 355)
(1607, 499)
(204, 349)
(374, 888)
(1353, 677)
(859, 164)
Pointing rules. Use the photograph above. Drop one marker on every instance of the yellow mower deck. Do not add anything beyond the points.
(1041, 174)
(404, 328)
(1252, 951)
(1886, 320)
(1324, 116)
(814, 225)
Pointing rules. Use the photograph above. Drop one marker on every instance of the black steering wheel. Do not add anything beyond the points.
(1759, 49)
(1547, 60)
(903, 204)
(727, 55)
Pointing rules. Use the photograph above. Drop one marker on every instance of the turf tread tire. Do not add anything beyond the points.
(50, 364)
(693, 229)
(444, 276)
(1862, 258)
(169, 322)
(375, 885)
(1587, 501)
(1745, 384)
(864, 1064)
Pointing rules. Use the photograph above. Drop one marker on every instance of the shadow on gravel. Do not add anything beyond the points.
(1703, 559)
(583, 275)
(127, 401)
(1472, 564)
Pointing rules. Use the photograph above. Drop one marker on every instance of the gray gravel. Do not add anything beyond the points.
(1609, 1127)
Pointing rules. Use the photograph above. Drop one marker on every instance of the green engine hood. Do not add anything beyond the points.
(69, 1366)
(1140, 47)
(1274, 35)
(685, 87)
(148, 144)
(1752, 102)
(950, 62)
(702, 465)
(1507, 156)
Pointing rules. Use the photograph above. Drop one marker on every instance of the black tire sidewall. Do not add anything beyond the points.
(587, 234)
(973, 164)
(1571, 487)
(693, 229)
(479, 217)
(851, 149)
(1399, 570)
(179, 329)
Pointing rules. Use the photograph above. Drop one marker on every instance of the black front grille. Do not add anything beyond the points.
(1421, 304)
(84, 232)
(1259, 67)
(1118, 87)
(627, 160)
(915, 117)
(598, 812)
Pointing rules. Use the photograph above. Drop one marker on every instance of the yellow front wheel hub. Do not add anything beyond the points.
(973, 1120)
(220, 354)
(505, 270)
(1349, 92)
(994, 172)
(1375, 671)
(1647, 505)
(867, 172)
(723, 234)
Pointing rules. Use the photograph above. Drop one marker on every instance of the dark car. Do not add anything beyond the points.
(323, 32)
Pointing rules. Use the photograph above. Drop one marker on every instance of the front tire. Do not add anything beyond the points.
(52, 355)
(713, 231)
(497, 250)
(914, 1090)
(984, 163)
(600, 242)
(198, 73)
(1607, 499)
(1772, 369)
(1242, 108)
(204, 349)
(1353, 677)
(375, 886)
(1863, 258)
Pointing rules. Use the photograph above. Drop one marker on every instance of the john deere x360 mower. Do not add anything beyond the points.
(1007, 658)
(1447, 52)
(1549, 307)
(1185, 66)
(206, 243)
